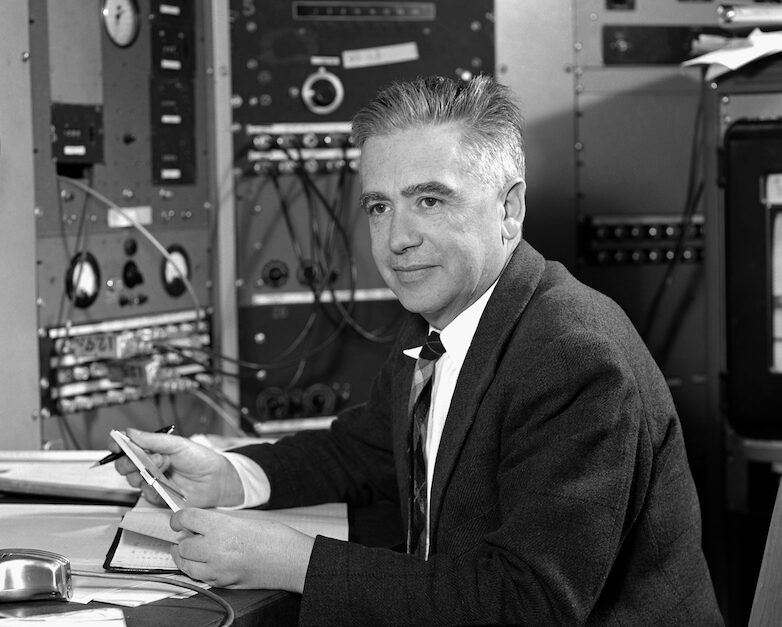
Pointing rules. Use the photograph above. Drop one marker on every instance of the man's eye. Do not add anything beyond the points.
(375, 209)
(430, 202)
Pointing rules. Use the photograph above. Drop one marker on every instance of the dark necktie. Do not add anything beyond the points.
(420, 401)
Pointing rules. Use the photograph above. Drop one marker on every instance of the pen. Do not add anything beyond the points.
(115, 456)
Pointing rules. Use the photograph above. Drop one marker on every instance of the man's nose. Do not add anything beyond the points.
(405, 231)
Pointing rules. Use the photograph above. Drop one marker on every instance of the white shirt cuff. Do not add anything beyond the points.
(257, 488)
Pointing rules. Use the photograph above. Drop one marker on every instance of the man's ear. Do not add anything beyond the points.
(515, 207)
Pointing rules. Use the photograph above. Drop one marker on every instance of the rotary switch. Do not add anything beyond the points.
(322, 92)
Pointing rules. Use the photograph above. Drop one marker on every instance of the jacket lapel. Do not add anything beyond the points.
(514, 290)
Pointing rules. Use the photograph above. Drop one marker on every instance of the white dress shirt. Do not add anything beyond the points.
(456, 339)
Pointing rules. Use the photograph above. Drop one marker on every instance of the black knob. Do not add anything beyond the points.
(323, 92)
(130, 246)
(131, 275)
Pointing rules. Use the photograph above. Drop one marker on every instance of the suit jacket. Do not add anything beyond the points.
(561, 492)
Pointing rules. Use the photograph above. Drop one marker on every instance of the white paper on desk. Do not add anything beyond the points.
(97, 617)
(328, 519)
(60, 474)
(738, 53)
(121, 590)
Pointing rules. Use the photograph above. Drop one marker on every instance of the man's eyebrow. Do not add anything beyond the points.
(369, 197)
(429, 187)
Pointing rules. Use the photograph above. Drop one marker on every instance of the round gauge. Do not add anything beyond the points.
(82, 280)
(122, 20)
(175, 271)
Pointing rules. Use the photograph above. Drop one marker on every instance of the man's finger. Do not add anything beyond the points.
(194, 520)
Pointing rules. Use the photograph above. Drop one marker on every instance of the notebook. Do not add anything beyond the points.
(144, 538)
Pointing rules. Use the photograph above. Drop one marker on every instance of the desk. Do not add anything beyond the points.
(252, 607)
(378, 525)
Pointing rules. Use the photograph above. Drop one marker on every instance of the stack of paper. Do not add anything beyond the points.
(738, 52)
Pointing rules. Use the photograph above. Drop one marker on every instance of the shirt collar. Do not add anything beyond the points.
(457, 336)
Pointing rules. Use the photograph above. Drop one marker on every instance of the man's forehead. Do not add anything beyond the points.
(416, 158)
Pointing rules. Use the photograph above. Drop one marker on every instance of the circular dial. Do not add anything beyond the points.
(82, 280)
(322, 92)
(122, 21)
(175, 271)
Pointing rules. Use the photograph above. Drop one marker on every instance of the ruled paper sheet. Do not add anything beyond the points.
(142, 552)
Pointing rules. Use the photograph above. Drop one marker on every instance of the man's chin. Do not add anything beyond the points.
(419, 305)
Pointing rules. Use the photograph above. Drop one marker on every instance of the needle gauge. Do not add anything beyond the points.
(122, 21)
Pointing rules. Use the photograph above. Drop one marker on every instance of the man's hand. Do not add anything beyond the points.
(229, 552)
(205, 477)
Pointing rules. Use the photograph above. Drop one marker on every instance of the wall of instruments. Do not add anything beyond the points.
(118, 210)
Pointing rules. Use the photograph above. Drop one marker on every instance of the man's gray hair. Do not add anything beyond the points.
(485, 109)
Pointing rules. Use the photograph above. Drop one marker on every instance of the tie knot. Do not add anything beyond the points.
(432, 348)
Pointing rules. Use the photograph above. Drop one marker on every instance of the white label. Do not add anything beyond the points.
(171, 119)
(171, 173)
(170, 64)
(122, 217)
(327, 61)
(380, 55)
(169, 9)
(74, 151)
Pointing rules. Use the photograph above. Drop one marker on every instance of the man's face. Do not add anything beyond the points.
(440, 237)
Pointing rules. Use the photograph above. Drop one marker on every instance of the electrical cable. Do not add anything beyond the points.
(339, 202)
(309, 187)
(296, 377)
(314, 288)
(285, 210)
(229, 611)
(217, 394)
(227, 418)
(242, 363)
(67, 432)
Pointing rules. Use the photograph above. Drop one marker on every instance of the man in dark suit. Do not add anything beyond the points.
(543, 480)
